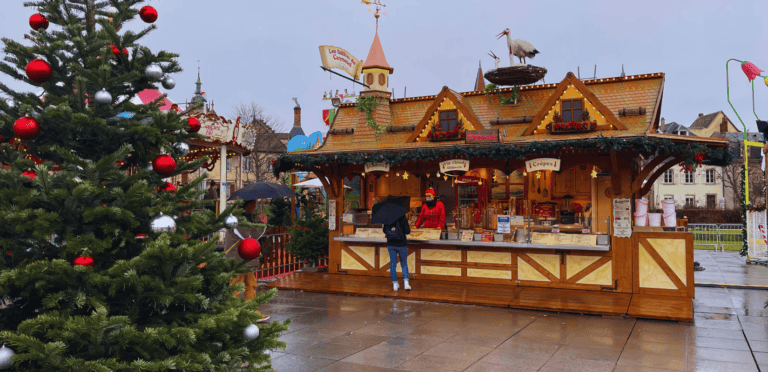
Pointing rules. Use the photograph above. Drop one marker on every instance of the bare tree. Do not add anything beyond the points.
(264, 135)
(732, 181)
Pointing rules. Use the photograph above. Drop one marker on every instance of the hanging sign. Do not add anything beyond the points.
(482, 136)
(622, 218)
(542, 164)
(335, 57)
(454, 165)
(376, 167)
(332, 214)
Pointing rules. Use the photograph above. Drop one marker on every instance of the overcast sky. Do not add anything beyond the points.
(266, 52)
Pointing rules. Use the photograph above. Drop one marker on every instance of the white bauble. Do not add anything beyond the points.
(251, 332)
(153, 71)
(6, 354)
(231, 221)
(182, 148)
(168, 82)
(163, 224)
(103, 97)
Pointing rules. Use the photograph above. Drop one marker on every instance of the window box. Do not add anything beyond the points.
(572, 127)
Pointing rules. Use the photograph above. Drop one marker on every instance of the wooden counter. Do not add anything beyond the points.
(599, 248)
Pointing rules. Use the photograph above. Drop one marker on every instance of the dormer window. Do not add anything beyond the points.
(572, 110)
(448, 120)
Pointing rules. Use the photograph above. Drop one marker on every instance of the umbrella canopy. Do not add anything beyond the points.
(390, 209)
(313, 183)
(262, 190)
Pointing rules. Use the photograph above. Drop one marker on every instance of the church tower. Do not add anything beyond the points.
(376, 70)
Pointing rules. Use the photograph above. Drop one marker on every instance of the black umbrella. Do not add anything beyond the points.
(390, 209)
(262, 190)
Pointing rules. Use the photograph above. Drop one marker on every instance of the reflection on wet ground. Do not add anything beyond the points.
(730, 268)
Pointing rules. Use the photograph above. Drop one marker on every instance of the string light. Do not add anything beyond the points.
(445, 178)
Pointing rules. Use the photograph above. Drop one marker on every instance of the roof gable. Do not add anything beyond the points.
(446, 100)
(704, 121)
(572, 88)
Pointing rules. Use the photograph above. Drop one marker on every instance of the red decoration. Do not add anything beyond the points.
(39, 71)
(194, 125)
(148, 14)
(249, 249)
(29, 173)
(84, 261)
(38, 21)
(750, 70)
(142, 236)
(26, 128)
(167, 187)
(164, 165)
(116, 51)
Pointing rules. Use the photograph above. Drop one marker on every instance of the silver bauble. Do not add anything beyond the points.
(163, 224)
(182, 148)
(6, 354)
(150, 168)
(103, 97)
(153, 72)
(231, 221)
(168, 82)
(251, 332)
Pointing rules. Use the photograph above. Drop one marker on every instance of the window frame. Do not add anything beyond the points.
(692, 175)
(571, 109)
(445, 123)
(707, 172)
(671, 175)
(693, 200)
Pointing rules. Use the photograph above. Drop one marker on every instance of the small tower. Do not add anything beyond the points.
(198, 97)
(376, 70)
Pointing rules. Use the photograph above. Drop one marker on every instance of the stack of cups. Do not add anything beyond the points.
(670, 216)
(641, 212)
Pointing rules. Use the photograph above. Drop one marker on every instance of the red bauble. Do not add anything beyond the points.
(39, 71)
(84, 261)
(148, 14)
(164, 165)
(194, 125)
(167, 187)
(116, 51)
(142, 236)
(29, 173)
(249, 249)
(38, 21)
(26, 128)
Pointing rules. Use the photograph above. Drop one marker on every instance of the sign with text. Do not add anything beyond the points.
(454, 165)
(542, 164)
(332, 215)
(335, 57)
(482, 136)
(502, 224)
(376, 167)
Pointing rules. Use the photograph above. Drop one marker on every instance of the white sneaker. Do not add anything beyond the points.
(406, 286)
(395, 286)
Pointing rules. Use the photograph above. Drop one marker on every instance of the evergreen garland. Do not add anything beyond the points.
(367, 104)
(640, 145)
(744, 237)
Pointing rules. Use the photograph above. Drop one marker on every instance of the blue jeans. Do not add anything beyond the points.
(394, 252)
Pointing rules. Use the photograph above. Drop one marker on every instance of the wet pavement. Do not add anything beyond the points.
(347, 333)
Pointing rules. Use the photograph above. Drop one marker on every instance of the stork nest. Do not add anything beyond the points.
(516, 75)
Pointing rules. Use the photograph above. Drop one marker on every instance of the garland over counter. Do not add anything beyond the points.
(641, 145)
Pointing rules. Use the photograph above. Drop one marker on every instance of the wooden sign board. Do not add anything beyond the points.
(424, 234)
(376, 167)
(482, 136)
(454, 165)
(542, 164)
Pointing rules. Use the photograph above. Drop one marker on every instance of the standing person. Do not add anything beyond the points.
(432, 214)
(397, 245)
(212, 194)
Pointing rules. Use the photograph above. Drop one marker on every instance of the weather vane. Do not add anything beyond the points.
(378, 5)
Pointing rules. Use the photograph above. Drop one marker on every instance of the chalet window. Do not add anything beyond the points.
(382, 79)
(448, 120)
(369, 79)
(572, 110)
(689, 177)
(690, 201)
(710, 175)
(669, 176)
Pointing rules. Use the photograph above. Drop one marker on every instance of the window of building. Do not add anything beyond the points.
(229, 164)
(448, 120)
(711, 201)
(690, 201)
(689, 177)
(710, 175)
(382, 79)
(669, 176)
(248, 164)
(505, 187)
(369, 79)
(572, 110)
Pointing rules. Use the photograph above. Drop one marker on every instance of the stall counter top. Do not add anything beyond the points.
(600, 248)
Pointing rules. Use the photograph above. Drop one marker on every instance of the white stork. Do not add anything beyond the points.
(519, 48)
(495, 59)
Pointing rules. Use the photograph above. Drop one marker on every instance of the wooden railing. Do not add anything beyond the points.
(277, 260)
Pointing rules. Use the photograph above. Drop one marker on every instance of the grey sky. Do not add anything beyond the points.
(266, 52)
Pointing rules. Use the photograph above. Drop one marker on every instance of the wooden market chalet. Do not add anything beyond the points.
(569, 189)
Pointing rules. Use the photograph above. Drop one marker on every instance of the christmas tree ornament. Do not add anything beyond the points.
(29, 173)
(142, 236)
(231, 221)
(249, 249)
(5, 357)
(168, 82)
(38, 21)
(167, 187)
(153, 71)
(116, 51)
(750, 70)
(103, 97)
(164, 165)
(182, 148)
(26, 128)
(39, 71)
(148, 14)
(194, 125)
(251, 332)
(163, 223)
(86, 261)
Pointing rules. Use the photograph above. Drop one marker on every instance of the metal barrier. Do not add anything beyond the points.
(705, 234)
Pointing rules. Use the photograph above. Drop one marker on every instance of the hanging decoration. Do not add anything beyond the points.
(103, 97)
(182, 148)
(167, 187)
(38, 21)
(29, 173)
(6, 354)
(116, 51)
(148, 14)
(194, 125)
(231, 221)
(26, 128)
(251, 332)
(39, 71)
(437, 133)
(168, 82)
(249, 249)
(86, 261)
(153, 71)
(163, 223)
(750, 70)
(164, 165)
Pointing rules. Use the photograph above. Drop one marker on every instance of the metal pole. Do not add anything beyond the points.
(223, 178)
(352, 80)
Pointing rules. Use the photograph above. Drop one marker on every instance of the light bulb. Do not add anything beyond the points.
(445, 178)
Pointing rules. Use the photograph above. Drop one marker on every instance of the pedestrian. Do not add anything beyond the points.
(212, 194)
(397, 245)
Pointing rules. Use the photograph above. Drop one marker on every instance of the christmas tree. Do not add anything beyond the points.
(101, 263)
(309, 238)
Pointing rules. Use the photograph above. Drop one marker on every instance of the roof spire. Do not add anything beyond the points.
(376, 58)
(480, 80)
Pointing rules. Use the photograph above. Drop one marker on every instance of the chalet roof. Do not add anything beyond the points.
(704, 121)
(376, 58)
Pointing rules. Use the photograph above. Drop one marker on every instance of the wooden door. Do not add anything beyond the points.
(583, 182)
(604, 208)
(563, 183)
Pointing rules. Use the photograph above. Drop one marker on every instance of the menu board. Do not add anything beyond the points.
(502, 224)
(584, 240)
(563, 239)
(371, 233)
(487, 236)
(622, 218)
(466, 235)
(542, 238)
(332, 214)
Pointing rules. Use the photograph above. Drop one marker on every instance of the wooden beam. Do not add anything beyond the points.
(647, 187)
(648, 169)
(615, 176)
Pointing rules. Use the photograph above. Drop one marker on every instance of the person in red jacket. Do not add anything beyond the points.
(432, 212)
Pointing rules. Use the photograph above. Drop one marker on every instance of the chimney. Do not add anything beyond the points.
(296, 114)
(724, 126)
(663, 125)
(700, 114)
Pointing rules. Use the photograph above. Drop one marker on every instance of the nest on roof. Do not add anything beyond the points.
(516, 75)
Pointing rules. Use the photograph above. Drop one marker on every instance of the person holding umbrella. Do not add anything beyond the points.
(391, 213)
